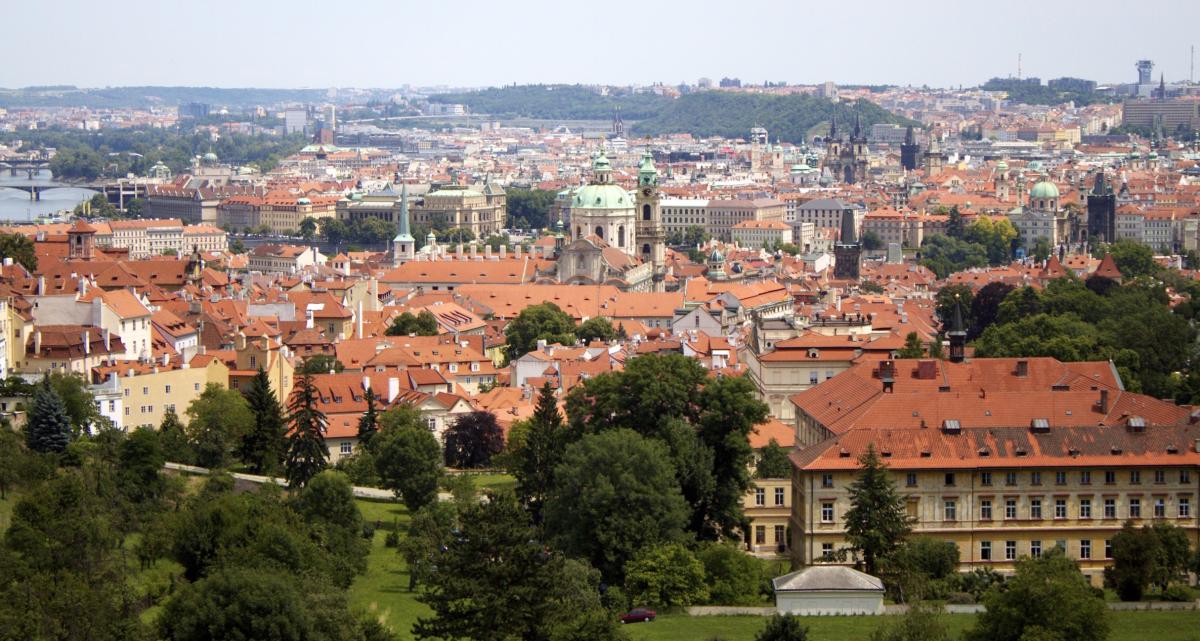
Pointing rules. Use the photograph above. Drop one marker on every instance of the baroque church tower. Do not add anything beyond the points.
(650, 234)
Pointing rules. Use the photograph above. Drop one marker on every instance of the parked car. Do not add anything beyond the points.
(638, 615)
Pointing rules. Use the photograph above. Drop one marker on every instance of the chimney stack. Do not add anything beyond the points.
(1103, 404)
(393, 388)
(487, 252)
(474, 251)
(503, 252)
(359, 319)
(37, 342)
(87, 342)
(366, 383)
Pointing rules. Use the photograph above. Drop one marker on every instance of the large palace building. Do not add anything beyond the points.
(1006, 457)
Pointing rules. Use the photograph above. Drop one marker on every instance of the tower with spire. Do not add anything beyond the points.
(846, 160)
(909, 150)
(650, 235)
(957, 334)
(403, 245)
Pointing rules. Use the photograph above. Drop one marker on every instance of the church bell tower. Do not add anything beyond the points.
(650, 235)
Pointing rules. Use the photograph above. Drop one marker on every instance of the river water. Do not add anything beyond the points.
(15, 205)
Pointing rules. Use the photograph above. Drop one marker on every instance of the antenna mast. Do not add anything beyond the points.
(1018, 66)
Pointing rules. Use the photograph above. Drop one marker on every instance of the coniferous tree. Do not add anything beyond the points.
(306, 453)
(48, 429)
(534, 462)
(262, 447)
(877, 522)
(368, 423)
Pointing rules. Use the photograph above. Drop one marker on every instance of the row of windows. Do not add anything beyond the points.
(1061, 477)
(1084, 549)
(760, 496)
(167, 388)
(1061, 509)
(760, 535)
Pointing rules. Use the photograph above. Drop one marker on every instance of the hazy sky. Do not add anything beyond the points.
(368, 43)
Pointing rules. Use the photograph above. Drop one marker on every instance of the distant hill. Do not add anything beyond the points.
(569, 102)
(133, 97)
(792, 118)
(707, 113)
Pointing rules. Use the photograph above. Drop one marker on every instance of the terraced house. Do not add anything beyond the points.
(1005, 457)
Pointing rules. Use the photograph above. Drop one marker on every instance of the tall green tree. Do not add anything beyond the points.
(408, 457)
(47, 429)
(263, 446)
(327, 505)
(217, 421)
(601, 476)
(1048, 598)
(141, 461)
(533, 463)
(496, 580)
(545, 321)
(308, 228)
(368, 423)
(473, 439)
(306, 452)
(877, 522)
(729, 410)
(175, 444)
(1135, 554)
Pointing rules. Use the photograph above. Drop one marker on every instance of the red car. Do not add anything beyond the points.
(638, 615)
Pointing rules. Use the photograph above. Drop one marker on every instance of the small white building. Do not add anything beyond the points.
(828, 590)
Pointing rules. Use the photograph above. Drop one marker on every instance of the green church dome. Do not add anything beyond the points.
(601, 197)
(1044, 189)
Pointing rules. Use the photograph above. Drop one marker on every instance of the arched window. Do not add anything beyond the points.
(599, 232)
(646, 212)
(621, 236)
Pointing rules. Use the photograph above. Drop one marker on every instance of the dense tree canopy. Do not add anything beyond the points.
(421, 324)
(1047, 599)
(217, 421)
(19, 248)
(408, 457)
(473, 439)
(705, 424)
(530, 208)
(545, 321)
(528, 592)
(614, 494)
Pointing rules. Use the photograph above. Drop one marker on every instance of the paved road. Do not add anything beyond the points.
(360, 492)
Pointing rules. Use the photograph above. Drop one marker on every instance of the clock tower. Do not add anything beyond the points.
(650, 235)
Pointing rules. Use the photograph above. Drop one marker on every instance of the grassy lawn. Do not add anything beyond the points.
(1126, 626)
(383, 590)
(494, 481)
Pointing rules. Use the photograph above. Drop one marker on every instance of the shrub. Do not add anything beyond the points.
(1177, 593)
(392, 539)
(960, 598)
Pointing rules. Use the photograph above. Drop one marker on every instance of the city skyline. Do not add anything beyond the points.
(918, 43)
